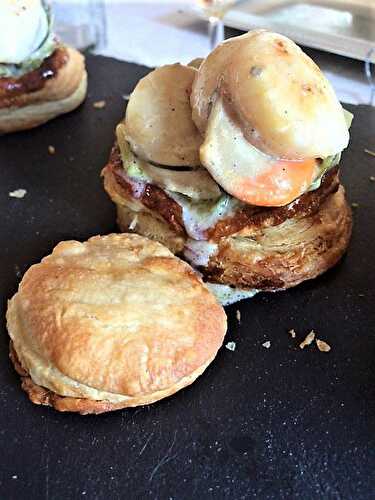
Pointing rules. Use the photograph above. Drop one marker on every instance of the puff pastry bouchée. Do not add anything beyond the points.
(263, 208)
(252, 248)
(114, 322)
(40, 78)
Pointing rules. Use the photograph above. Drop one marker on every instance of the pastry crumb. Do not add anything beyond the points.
(372, 178)
(238, 315)
(99, 104)
(14, 477)
(292, 333)
(133, 223)
(231, 346)
(51, 150)
(18, 193)
(355, 205)
(126, 97)
(308, 339)
(323, 346)
(369, 152)
(267, 344)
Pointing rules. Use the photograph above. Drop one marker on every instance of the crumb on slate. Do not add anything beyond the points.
(17, 271)
(323, 346)
(126, 97)
(372, 178)
(292, 333)
(231, 346)
(267, 344)
(99, 104)
(308, 339)
(133, 223)
(369, 152)
(18, 193)
(51, 150)
(355, 205)
(238, 315)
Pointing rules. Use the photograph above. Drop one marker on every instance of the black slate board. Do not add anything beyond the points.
(271, 423)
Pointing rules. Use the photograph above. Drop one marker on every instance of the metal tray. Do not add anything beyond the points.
(344, 27)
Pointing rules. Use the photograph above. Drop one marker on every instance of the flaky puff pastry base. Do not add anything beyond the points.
(59, 95)
(266, 258)
(114, 322)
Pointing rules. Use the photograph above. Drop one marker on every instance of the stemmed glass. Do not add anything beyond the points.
(81, 24)
(214, 11)
(370, 77)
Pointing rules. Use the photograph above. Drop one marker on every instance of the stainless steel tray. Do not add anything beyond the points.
(344, 27)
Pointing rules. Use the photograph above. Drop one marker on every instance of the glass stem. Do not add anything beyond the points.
(216, 31)
(369, 75)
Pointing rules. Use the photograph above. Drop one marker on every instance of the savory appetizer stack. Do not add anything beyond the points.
(234, 166)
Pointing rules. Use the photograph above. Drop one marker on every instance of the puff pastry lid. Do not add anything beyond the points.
(118, 314)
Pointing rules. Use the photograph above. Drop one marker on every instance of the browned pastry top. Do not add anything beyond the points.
(117, 318)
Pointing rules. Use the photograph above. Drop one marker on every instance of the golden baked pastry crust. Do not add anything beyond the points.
(61, 93)
(117, 319)
(283, 256)
(41, 396)
(267, 259)
(268, 250)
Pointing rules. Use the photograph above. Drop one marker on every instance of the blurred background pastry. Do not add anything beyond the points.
(40, 78)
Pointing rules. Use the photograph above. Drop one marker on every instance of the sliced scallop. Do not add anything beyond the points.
(159, 126)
